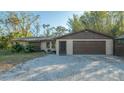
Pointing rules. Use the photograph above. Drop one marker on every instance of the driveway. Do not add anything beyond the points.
(79, 67)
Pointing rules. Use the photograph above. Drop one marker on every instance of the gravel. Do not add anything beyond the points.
(68, 68)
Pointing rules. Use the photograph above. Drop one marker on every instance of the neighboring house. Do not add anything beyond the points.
(39, 43)
(84, 42)
(119, 46)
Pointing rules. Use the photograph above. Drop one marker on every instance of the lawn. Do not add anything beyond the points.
(8, 60)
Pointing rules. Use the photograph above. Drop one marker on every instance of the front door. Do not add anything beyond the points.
(62, 47)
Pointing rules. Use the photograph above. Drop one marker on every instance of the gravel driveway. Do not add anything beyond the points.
(80, 67)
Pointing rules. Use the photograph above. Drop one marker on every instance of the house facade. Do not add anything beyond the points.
(84, 42)
(39, 43)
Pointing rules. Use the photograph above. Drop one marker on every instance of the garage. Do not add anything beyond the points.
(84, 42)
(89, 47)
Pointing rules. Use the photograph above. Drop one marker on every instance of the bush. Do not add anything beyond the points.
(1, 46)
(29, 48)
(54, 52)
(17, 48)
(49, 51)
(43, 51)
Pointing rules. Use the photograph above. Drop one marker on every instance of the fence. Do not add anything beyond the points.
(119, 48)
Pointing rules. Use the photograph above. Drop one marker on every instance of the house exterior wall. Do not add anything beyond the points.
(44, 46)
(69, 46)
(57, 47)
(109, 47)
(36, 45)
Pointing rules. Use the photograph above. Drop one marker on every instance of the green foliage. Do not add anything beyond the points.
(16, 25)
(17, 48)
(20, 48)
(111, 23)
(29, 48)
(59, 31)
(6, 40)
(1, 46)
(47, 30)
(75, 23)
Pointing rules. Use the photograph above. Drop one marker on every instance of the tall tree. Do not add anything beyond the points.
(75, 23)
(59, 31)
(23, 22)
(110, 22)
(47, 30)
(18, 24)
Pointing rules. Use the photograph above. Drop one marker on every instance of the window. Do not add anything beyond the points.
(48, 44)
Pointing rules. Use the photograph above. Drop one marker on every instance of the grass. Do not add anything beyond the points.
(17, 58)
(9, 59)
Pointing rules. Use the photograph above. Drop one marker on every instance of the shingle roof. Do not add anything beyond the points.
(83, 31)
(27, 39)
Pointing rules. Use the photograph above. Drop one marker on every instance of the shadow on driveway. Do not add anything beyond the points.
(79, 67)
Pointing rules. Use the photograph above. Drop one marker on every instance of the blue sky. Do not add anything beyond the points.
(56, 18)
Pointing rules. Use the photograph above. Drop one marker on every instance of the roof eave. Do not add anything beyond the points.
(85, 30)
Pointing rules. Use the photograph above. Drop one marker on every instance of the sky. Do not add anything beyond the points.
(56, 18)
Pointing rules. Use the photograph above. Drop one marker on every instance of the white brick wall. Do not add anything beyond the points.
(109, 47)
(43, 46)
(57, 47)
(69, 47)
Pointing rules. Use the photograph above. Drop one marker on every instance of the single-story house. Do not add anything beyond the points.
(84, 42)
(39, 43)
(119, 46)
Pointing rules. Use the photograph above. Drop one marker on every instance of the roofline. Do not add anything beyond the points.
(119, 38)
(30, 39)
(86, 30)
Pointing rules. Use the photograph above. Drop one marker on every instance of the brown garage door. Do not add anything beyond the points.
(88, 47)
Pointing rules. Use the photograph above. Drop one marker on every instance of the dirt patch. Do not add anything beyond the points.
(5, 66)
(8, 61)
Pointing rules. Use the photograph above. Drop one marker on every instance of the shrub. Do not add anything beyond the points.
(1, 46)
(29, 48)
(49, 51)
(17, 48)
(43, 51)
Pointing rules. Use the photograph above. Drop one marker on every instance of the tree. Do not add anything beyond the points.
(18, 24)
(47, 30)
(75, 23)
(59, 31)
(111, 23)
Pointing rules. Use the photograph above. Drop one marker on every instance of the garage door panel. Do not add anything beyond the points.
(89, 47)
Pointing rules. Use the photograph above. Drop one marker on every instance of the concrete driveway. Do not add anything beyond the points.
(80, 67)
